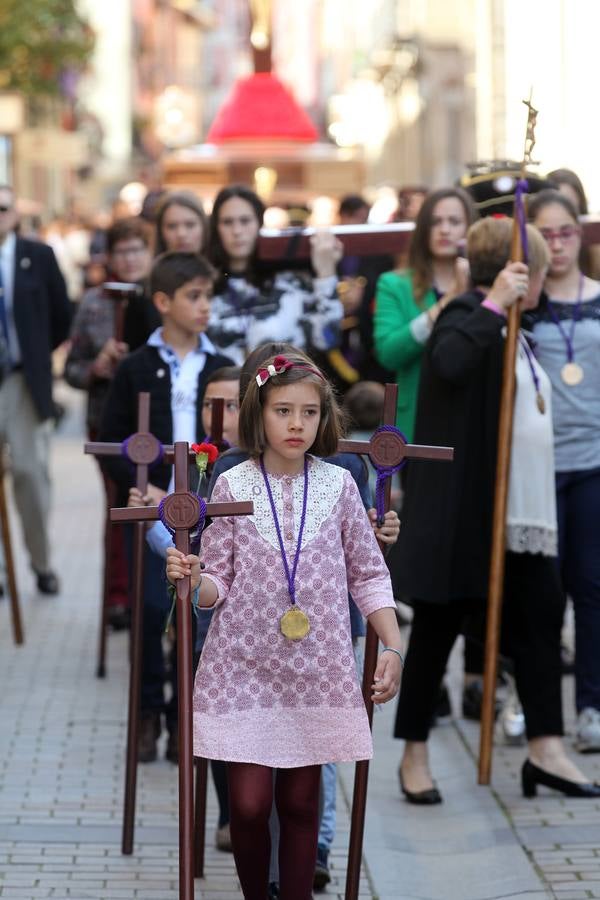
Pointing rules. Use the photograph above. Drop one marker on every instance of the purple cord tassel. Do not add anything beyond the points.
(385, 472)
(196, 532)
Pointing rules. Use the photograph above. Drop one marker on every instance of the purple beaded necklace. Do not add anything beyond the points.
(290, 575)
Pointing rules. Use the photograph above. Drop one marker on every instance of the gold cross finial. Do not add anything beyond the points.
(532, 115)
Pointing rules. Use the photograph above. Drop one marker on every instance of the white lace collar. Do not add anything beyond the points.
(325, 483)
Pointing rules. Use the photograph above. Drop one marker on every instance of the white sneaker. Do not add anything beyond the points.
(588, 731)
(511, 718)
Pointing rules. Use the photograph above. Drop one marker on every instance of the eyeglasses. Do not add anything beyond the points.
(564, 234)
(4, 208)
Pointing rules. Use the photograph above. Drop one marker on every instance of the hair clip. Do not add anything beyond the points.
(280, 365)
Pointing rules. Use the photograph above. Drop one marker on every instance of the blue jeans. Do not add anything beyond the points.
(578, 507)
(328, 821)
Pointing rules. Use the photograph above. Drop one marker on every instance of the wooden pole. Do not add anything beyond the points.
(119, 293)
(387, 450)
(136, 644)
(181, 512)
(102, 632)
(498, 552)
(505, 428)
(185, 696)
(361, 772)
(15, 609)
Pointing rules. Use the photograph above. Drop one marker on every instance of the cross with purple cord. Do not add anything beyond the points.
(183, 512)
(388, 451)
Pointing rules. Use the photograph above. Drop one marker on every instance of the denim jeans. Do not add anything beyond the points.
(578, 508)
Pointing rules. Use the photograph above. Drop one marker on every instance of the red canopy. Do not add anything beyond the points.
(260, 107)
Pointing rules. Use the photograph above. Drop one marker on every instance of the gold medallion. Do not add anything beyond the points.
(540, 403)
(571, 373)
(294, 624)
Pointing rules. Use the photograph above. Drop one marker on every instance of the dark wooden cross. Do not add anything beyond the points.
(143, 449)
(386, 449)
(181, 511)
(15, 609)
(120, 292)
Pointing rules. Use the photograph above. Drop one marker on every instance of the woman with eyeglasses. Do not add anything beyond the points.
(566, 329)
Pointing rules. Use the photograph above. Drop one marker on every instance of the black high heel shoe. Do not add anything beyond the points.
(532, 775)
(428, 797)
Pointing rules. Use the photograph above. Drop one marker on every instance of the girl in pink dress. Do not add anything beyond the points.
(277, 686)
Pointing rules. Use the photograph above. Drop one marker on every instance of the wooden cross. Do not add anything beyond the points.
(181, 511)
(386, 449)
(120, 292)
(142, 450)
(11, 580)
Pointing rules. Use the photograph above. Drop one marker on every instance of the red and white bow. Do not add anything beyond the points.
(280, 365)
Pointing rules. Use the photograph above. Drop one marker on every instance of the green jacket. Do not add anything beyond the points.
(395, 347)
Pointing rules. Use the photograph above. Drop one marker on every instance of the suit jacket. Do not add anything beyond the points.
(144, 370)
(42, 315)
(443, 551)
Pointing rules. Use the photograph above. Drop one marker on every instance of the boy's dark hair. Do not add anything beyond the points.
(127, 230)
(174, 269)
(225, 373)
(250, 427)
(363, 404)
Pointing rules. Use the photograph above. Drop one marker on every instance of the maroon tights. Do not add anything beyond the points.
(297, 802)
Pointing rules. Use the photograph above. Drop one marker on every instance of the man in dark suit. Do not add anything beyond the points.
(34, 319)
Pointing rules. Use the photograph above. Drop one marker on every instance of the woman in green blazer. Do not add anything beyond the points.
(407, 303)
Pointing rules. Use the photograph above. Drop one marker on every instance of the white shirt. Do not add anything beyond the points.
(184, 394)
(7, 266)
(531, 525)
(184, 383)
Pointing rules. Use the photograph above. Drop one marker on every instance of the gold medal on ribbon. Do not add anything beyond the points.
(294, 624)
(541, 405)
(571, 373)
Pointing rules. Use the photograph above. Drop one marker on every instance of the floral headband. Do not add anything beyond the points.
(280, 365)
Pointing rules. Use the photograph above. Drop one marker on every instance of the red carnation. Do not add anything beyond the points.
(211, 451)
(205, 454)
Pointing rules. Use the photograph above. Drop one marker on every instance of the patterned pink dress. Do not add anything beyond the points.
(260, 697)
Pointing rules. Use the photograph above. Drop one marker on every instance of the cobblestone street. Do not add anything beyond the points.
(62, 754)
